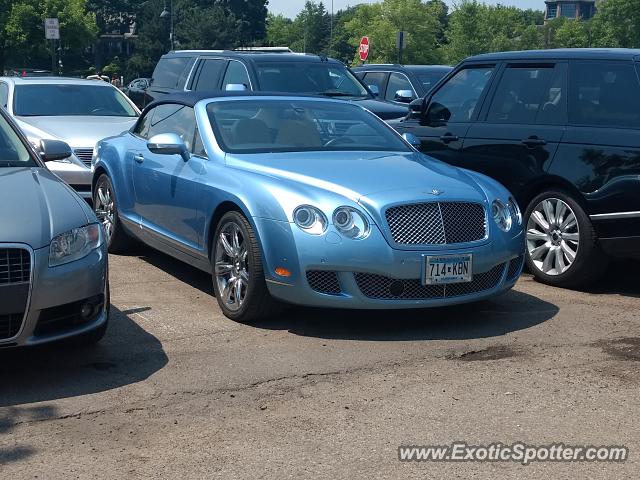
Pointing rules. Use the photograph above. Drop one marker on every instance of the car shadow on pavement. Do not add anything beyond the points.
(11, 416)
(490, 318)
(621, 278)
(127, 354)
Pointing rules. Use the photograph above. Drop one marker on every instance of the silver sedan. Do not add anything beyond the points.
(78, 112)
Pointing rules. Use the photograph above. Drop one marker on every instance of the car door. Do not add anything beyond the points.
(166, 186)
(449, 113)
(519, 129)
(600, 150)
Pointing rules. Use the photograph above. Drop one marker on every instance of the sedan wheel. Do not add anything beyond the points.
(553, 236)
(231, 269)
(106, 209)
(562, 246)
(238, 276)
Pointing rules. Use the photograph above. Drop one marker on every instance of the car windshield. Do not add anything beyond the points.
(70, 99)
(321, 78)
(261, 126)
(13, 153)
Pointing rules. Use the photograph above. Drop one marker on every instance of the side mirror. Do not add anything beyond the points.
(51, 150)
(404, 96)
(412, 140)
(415, 107)
(168, 144)
(236, 87)
(375, 90)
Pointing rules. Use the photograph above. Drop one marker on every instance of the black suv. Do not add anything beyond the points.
(400, 83)
(561, 130)
(214, 71)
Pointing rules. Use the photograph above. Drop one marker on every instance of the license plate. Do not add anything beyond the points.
(447, 269)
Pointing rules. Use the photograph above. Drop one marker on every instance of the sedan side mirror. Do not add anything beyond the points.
(168, 144)
(415, 107)
(51, 150)
(412, 140)
(404, 96)
(375, 90)
(236, 87)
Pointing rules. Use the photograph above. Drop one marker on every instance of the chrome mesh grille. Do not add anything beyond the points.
(515, 267)
(436, 223)
(10, 325)
(84, 154)
(381, 287)
(15, 266)
(323, 281)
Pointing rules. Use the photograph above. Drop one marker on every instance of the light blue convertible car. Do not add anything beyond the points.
(304, 200)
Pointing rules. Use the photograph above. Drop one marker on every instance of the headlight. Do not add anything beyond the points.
(75, 244)
(350, 223)
(515, 210)
(310, 219)
(501, 213)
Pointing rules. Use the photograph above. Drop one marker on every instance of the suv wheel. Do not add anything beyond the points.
(238, 275)
(562, 247)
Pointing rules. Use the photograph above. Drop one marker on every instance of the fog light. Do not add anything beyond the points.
(86, 310)
(283, 272)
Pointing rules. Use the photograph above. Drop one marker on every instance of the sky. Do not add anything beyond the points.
(290, 8)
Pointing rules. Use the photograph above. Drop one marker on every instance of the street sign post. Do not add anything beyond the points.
(401, 44)
(51, 29)
(363, 49)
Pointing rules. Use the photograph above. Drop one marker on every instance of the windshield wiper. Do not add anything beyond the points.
(333, 93)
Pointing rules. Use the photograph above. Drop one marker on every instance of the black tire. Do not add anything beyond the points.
(589, 261)
(258, 304)
(118, 240)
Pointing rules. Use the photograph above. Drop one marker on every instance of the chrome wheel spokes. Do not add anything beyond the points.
(553, 236)
(105, 209)
(231, 267)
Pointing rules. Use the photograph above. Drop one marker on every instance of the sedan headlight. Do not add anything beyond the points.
(514, 208)
(350, 223)
(75, 244)
(501, 213)
(310, 219)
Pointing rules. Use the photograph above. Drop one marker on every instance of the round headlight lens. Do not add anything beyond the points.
(310, 219)
(350, 223)
(501, 213)
(514, 208)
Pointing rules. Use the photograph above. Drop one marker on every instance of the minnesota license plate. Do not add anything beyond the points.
(447, 269)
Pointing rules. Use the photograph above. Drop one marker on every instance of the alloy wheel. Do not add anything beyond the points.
(231, 266)
(553, 236)
(104, 208)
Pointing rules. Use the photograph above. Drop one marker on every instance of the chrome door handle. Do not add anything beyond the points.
(138, 158)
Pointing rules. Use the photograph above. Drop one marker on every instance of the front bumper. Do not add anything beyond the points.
(76, 174)
(57, 293)
(364, 269)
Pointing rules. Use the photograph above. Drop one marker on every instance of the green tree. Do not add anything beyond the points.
(617, 24)
(279, 31)
(571, 34)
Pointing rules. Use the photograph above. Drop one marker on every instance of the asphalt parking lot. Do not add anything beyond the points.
(176, 390)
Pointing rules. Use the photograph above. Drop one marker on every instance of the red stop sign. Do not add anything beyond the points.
(363, 49)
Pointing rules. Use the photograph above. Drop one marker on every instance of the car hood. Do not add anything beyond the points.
(384, 110)
(77, 131)
(35, 206)
(374, 178)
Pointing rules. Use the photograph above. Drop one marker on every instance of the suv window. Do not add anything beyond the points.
(209, 76)
(376, 79)
(604, 94)
(236, 75)
(397, 81)
(172, 118)
(522, 92)
(456, 100)
(168, 71)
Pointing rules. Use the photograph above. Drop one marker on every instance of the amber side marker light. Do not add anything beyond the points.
(283, 272)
